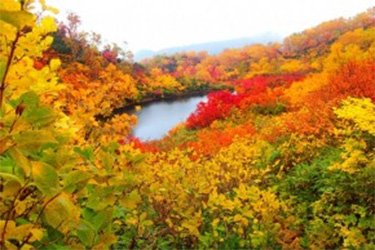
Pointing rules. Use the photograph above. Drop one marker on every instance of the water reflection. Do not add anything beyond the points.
(156, 119)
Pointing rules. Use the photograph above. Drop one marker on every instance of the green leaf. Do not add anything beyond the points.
(86, 232)
(102, 219)
(34, 140)
(351, 219)
(45, 178)
(131, 201)
(7, 164)
(22, 221)
(29, 99)
(10, 177)
(76, 177)
(11, 184)
(98, 219)
(18, 19)
(93, 200)
(88, 213)
(21, 160)
(87, 153)
(40, 117)
(62, 214)
(139, 158)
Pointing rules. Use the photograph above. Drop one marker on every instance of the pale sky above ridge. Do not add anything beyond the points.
(158, 24)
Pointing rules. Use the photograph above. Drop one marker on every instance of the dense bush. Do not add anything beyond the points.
(287, 162)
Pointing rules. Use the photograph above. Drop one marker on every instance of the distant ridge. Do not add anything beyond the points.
(211, 47)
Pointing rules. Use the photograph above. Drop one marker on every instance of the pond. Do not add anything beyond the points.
(155, 119)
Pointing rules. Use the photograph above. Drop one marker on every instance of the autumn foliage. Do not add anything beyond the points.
(281, 156)
(218, 105)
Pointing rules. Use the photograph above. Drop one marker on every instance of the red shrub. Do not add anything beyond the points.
(218, 105)
(211, 141)
(354, 79)
(143, 146)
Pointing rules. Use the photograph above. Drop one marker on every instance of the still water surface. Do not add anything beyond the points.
(157, 118)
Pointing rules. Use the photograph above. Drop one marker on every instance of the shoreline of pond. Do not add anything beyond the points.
(165, 97)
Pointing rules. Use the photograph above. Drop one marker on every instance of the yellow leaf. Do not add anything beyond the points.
(62, 214)
(10, 188)
(53, 10)
(10, 5)
(237, 218)
(11, 225)
(27, 247)
(20, 232)
(45, 7)
(143, 216)
(215, 222)
(20, 207)
(37, 234)
(21, 160)
(131, 201)
(48, 24)
(244, 222)
(54, 64)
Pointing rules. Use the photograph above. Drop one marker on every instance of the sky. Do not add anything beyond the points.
(159, 24)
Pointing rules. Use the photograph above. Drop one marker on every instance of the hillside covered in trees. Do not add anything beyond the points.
(286, 161)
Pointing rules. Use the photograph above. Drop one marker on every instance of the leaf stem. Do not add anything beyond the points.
(9, 62)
